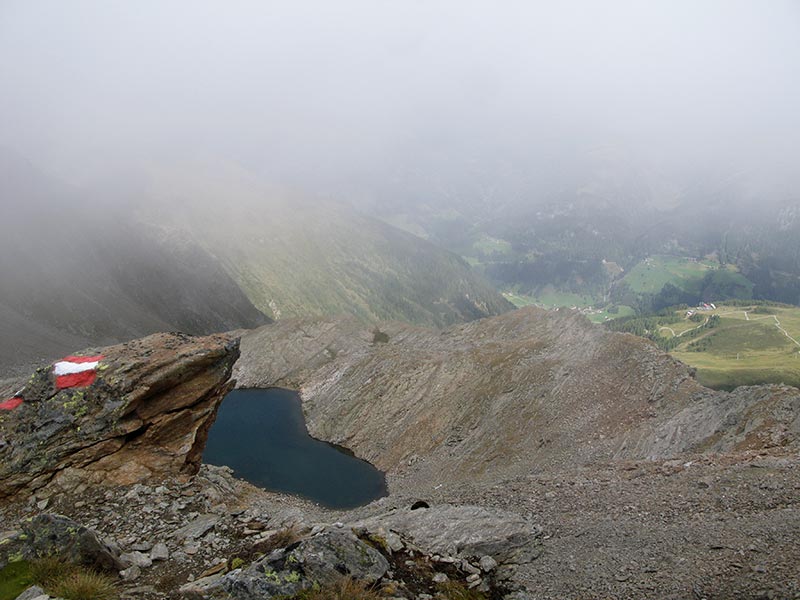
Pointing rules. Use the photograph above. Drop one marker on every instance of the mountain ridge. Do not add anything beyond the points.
(491, 398)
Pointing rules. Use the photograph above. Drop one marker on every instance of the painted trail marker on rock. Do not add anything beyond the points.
(76, 371)
(11, 403)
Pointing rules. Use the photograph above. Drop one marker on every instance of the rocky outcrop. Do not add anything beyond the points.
(499, 397)
(317, 560)
(146, 415)
(748, 418)
(463, 531)
(403, 553)
(58, 536)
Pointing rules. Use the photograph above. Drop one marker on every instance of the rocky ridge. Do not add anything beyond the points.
(495, 398)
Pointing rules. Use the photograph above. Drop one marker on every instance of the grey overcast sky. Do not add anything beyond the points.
(333, 95)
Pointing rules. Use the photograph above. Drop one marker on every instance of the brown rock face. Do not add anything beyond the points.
(146, 416)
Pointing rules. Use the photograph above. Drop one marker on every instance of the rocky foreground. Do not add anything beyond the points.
(527, 457)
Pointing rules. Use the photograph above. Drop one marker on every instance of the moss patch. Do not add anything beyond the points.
(15, 578)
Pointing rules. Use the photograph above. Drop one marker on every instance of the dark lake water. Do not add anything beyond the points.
(262, 436)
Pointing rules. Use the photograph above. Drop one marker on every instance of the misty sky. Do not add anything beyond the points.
(340, 95)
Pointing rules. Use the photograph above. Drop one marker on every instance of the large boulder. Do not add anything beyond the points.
(463, 531)
(146, 414)
(55, 535)
(319, 559)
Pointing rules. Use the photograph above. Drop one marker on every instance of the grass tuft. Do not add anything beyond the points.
(48, 570)
(85, 585)
(15, 578)
(345, 588)
(455, 590)
(281, 538)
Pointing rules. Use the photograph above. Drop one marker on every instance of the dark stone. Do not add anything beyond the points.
(320, 559)
(55, 535)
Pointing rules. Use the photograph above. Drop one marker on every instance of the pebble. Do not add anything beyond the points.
(135, 558)
(440, 578)
(394, 542)
(468, 567)
(446, 559)
(159, 552)
(131, 573)
(142, 546)
(32, 593)
(487, 564)
(142, 589)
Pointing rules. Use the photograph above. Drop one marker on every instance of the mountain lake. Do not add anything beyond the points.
(261, 434)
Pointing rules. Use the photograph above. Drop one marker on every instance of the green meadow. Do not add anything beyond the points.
(749, 345)
(551, 298)
(652, 274)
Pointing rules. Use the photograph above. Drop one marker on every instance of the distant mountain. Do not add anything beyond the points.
(298, 257)
(203, 249)
(576, 230)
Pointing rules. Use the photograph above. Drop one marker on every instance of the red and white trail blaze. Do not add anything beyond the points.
(76, 371)
(11, 403)
(70, 372)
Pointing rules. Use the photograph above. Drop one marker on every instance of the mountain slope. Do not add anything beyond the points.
(76, 271)
(298, 257)
(501, 396)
